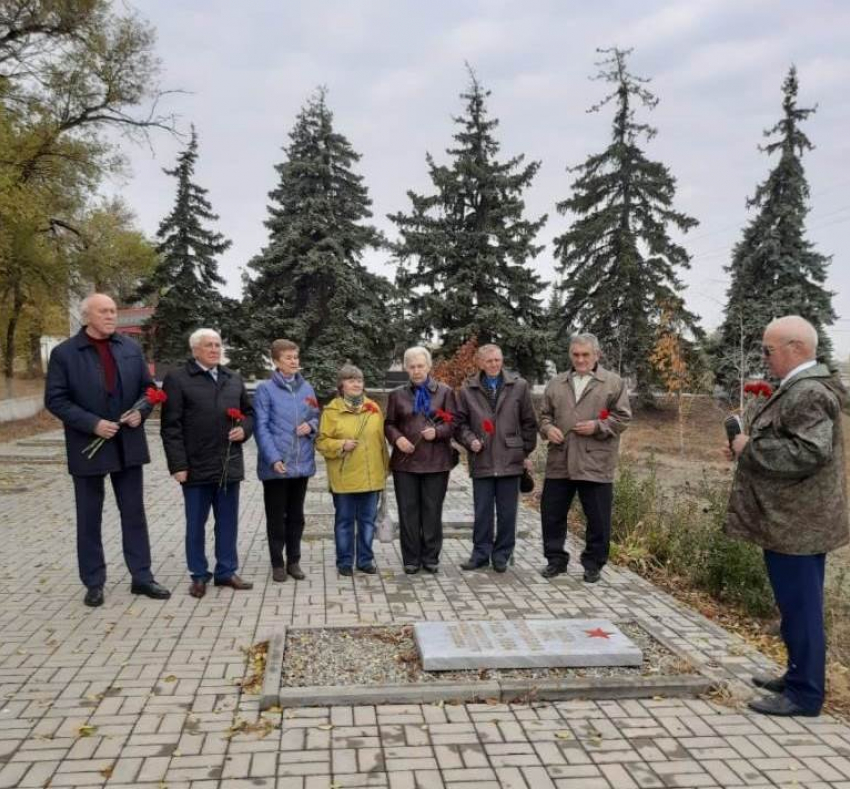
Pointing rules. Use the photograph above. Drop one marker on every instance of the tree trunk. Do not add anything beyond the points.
(36, 330)
(11, 330)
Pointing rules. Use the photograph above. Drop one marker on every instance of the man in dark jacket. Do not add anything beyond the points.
(205, 420)
(789, 498)
(496, 423)
(94, 380)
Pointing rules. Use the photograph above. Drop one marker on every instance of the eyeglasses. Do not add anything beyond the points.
(768, 350)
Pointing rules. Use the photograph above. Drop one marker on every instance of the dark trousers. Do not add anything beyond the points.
(420, 515)
(501, 494)
(797, 583)
(284, 500)
(354, 527)
(224, 502)
(129, 495)
(596, 500)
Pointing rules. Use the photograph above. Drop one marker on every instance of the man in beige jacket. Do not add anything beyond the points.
(584, 411)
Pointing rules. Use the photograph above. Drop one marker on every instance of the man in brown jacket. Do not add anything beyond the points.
(789, 498)
(496, 422)
(584, 411)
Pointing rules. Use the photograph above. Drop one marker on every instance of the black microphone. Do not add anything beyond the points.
(733, 427)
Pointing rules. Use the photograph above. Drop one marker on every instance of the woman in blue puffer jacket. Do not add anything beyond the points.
(286, 419)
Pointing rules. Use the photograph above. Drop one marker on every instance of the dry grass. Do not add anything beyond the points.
(42, 422)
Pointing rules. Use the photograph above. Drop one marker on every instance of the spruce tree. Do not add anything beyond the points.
(464, 250)
(775, 270)
(309, 283)
(617, 261)
(185, 283)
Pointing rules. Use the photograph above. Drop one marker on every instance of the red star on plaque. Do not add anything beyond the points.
(598, 632)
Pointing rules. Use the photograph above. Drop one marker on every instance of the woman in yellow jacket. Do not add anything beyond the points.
(351, 439)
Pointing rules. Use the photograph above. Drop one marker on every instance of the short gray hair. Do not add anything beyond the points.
(418, 350)
(196, 336)
(85, 305)
(490, 346)
(346, 373)
(585, 339)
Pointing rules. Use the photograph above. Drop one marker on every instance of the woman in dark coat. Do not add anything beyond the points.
(418, 427)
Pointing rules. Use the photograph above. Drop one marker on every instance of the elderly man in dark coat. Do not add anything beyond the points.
(94, 380)
(495, 421)
(789, 498)
(205, 421)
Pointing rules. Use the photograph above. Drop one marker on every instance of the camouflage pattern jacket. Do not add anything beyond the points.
(789, 492)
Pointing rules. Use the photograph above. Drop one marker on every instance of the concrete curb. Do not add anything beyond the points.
(270, 695)
(503, 691)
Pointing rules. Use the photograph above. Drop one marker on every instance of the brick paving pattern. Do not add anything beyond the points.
(145, 694)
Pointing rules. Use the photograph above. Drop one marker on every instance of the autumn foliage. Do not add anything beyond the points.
(454, 370)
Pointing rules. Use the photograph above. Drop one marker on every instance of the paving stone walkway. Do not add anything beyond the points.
(144, 694)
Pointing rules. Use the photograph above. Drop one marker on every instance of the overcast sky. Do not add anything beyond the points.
(394, 71)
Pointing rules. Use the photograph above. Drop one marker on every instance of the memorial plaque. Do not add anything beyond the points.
(523, 643)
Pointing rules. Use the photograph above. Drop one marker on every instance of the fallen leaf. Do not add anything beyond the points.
(325, 726)
(563, 735)
(171, 678)
(86, 730)
(106, 772)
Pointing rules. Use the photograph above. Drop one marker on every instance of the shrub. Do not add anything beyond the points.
(683, 535)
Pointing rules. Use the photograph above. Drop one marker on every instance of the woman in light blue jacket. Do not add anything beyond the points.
(286, 419)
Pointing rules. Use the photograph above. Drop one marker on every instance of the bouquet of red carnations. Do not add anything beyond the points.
(152, 395)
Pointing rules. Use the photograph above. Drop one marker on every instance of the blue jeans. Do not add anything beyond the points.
(350, 509)
(225, 506)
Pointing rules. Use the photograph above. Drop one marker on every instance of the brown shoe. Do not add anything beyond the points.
(234, 582)
(279, 574)
(294, 569)
(198, 588)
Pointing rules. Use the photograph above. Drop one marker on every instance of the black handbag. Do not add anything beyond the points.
(526, 482)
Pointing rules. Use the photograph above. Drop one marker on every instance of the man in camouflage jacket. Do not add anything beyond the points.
(789, 498)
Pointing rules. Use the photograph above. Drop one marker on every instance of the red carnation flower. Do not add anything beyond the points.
(312, 402)
(604, 413)
(235, 414)
(154, 395)
(371, 408)
(443, 416)
(488, 427)
(758, 389)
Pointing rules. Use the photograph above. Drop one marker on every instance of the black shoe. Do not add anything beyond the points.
(347, 571)
(152, 590)
(499, 567)
(294, 569)
(411, 569)
(780, 705)
(369, 569)
(591, 576)
(431, 568)
(94, 597)
(553, 570)
(471, 564)
(773, 684)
